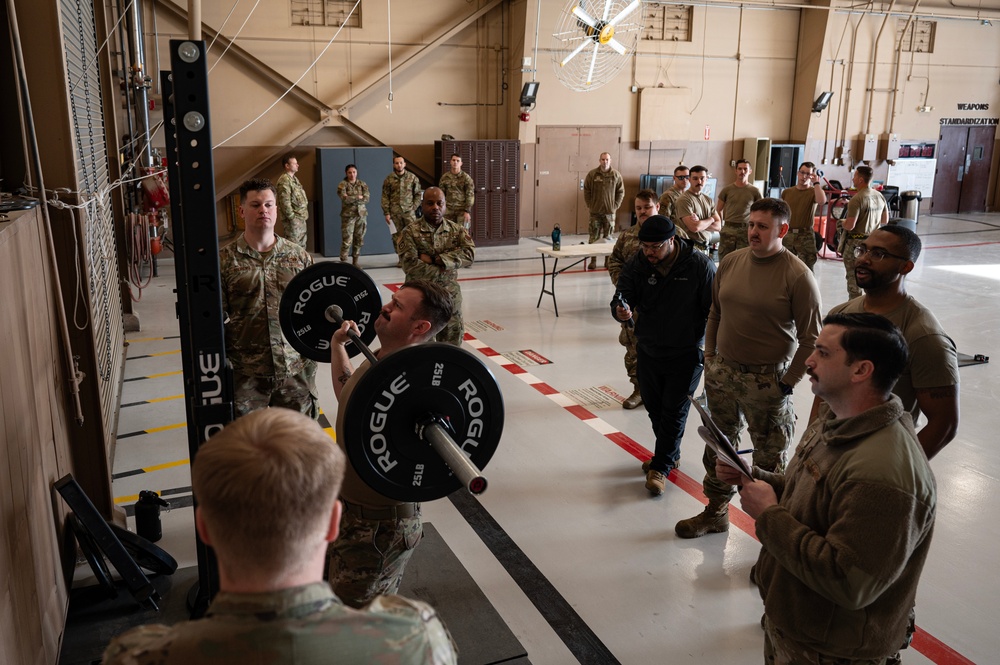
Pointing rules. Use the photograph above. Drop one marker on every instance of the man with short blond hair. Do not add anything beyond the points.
(292, 202)
(266, 489)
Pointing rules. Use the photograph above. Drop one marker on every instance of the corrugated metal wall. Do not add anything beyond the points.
(93, 178)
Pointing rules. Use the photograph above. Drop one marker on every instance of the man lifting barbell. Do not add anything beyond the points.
(378, 534)
(418, 420)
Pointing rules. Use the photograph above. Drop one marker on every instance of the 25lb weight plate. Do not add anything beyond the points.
(302, 311)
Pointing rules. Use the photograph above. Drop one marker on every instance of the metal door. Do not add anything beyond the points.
(564, 157)
(964, 156)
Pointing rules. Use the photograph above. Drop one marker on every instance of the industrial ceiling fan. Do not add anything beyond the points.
(593, 41)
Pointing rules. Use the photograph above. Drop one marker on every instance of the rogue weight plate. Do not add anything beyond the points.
(302, 311)
(384, 409)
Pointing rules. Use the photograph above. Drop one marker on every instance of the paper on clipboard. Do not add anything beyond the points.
(392, 227)
(719, 442)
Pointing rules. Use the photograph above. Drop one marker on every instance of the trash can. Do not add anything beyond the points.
(909, 204)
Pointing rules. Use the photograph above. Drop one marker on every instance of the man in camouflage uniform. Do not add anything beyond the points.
(603, 193)
(255, 270)
(734, 204)
(292, 202)
(669, 198)
(273, 607)
(625, 248)
(761, 328)
(695, 212)
(354, 196)
(400, 198)
(866, 211)
(434, 249)
(803, 199)
(378, 534)
(459, 193)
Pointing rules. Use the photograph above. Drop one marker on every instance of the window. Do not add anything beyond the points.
(334, 13)
(919, 37)
(668, 23)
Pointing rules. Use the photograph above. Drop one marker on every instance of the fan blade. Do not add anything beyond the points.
(585, 17)
(617, 46)
(572, 55)
(607, 9)
(625, 12)
(593, 61)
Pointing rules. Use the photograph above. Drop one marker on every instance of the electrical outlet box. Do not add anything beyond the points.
(888, 147)
(868, 148)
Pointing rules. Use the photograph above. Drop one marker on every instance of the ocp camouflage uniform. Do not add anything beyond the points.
(625, 248)
(293, 206)
(801, 237)
(780, 649)
(702, 205)
(267, 371)
(304, 625)
(452, 245)
(353, 216)
(866, 207)
(377, 534)
(400, 198)
(735, 216)
(768, 412)
(459, 195)
(667, 202)
(603, 193)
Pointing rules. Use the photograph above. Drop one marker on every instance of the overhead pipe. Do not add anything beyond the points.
(899, 66)
(870, 93)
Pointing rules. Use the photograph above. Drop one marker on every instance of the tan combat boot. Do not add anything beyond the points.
(633, 400)
(354, 260)
(343, 257)
(593, 263)
(714, 519)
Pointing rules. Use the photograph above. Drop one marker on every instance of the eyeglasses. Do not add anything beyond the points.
(681, 177)
(877, 253)
(653, 247)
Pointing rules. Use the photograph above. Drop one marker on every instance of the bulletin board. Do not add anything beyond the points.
(915, 174)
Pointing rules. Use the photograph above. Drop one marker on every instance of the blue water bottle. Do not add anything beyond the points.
(556, 238)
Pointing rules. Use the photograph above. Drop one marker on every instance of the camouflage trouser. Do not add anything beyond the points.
(731, 238)
(295, 230)
(352, 234)
(369, 556)
(853, 290)
(296, 392)
(401, 220)
(457, 217)
(599, 227)
(779, 649)
(734, 395)
(627, 339)
(454, 332)
(802, 243)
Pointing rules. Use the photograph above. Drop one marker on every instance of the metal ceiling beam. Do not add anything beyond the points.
(259, 67)
(423, 52)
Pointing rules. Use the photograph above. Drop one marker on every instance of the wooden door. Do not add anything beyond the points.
(950, 159)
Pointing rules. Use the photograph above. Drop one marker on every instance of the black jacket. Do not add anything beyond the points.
(672, 309)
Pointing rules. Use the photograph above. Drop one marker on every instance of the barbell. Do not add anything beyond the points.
(419, 423)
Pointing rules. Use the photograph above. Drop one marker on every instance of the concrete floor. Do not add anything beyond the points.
(565, 486)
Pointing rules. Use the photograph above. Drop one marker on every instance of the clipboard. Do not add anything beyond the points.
(719, 442)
